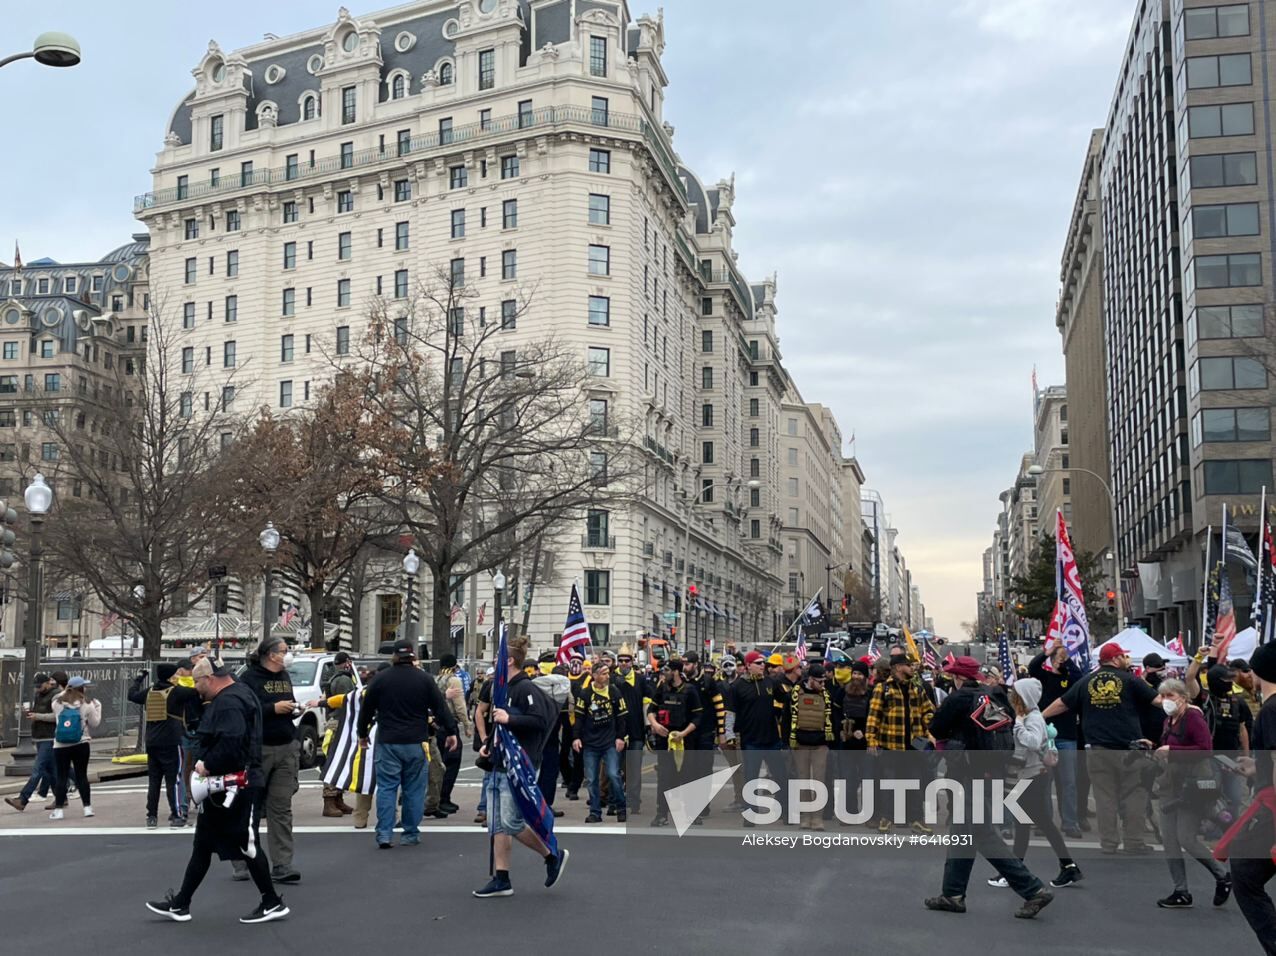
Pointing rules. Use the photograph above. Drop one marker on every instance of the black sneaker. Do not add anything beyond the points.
(573, 795)
(265, 912)
(447, 806)
(1176, 901)
(557, 813)
(166, 907)
(176, 823)
(285, 875)
(622, 816)
(660, 821)
(1222, 890)
(1034, 905)
(554, 867)
(947, 904)
(593, 818)
(611, 811)
(1068, 875)
(496, 886)
(152, 823)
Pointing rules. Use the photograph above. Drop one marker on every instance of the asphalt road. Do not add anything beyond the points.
(646, 892)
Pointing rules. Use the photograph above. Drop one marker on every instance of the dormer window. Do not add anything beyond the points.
(218, 72)
(398, 88)
(350, 42)
(310, 107)
(446, 74)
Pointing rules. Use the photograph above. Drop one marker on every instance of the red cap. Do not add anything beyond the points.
(962, 667)
(1110, 650)
(753, 657)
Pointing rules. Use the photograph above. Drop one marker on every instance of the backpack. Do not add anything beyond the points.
(991, 726)
(70, 729)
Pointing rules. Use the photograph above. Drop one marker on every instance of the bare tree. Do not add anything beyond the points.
(143, 508)
(485, 436)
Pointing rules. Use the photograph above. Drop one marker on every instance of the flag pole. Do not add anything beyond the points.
(1205, 585)
(1258, 584)
(801, 614)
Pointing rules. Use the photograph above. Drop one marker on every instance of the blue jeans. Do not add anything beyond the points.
(610, 760)
(42, 771)
(1066, 782)
(400, 765)
(482, 804)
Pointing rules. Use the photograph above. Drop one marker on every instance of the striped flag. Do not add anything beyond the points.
(575, 632)
(350, 767)
(1225, 623)
(1003, 659)
(108, 621)
(873, 652)
(1175, 646)
(930, 660)
(287, 616)
(800, 651)
(1265, 604)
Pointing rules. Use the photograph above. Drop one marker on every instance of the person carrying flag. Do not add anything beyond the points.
(522, 717)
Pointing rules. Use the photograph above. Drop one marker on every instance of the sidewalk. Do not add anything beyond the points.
(100, 766)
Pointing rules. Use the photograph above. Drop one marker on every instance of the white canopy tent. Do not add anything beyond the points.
(1139, 644)
(1243, 644)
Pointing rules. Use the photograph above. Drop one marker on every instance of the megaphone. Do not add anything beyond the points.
(203, 787)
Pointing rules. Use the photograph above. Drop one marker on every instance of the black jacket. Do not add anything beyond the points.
(401, 700)
(712, 723)
(271, 688)
(951, 722)
(43, 704)
(635, 695)
(601, 721)
(533, 714)
(170, 731)
(758, 711)
(1054, 684)
(229, 737)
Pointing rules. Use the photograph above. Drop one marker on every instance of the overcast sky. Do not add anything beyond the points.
(908, 168)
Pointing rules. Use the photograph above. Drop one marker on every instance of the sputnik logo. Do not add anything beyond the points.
(688, 801)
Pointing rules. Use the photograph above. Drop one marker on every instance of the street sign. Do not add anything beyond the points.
(217, 572)
(670, 617)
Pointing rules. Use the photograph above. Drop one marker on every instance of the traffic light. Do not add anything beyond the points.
(692, 592)
(1001, 605)
(7, 537)
(846, 603)
(1111, 596)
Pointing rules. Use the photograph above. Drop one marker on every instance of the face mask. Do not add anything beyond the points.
(185, 681)
(1171, 707)
(288, 659)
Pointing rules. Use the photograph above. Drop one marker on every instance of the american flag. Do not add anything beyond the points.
(930, 660)
(575, 631)
(1225, 623)
(1265, 604)
(800, 651)
(482, 612)
(1175, 646)
(285, 618)
(457, 611)
(873, 652)
(1003, 659)
(108, 620)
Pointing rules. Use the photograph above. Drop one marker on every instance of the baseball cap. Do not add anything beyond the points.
(42, 678)
(341, 657)
(691, 657)
(963, 667)
(1154, 660)
(78, 681)
(404, 649)
(816, 671)
(1238, 664)
(205, 667)
(1110, 651)
(776, 660)
(753, 657)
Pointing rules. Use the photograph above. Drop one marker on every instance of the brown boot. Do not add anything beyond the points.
(330, 808)
(341, 805)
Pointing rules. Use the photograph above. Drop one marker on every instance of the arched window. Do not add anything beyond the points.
(446, 73)
(309, 107)
(396, 88)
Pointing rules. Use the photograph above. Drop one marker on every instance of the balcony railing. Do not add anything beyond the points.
(458, 137)
(598, 542)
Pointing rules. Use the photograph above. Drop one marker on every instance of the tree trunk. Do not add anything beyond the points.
(440, 613)
(317, 605)
(152, 631)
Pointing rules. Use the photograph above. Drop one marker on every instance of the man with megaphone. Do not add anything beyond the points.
(228, 775)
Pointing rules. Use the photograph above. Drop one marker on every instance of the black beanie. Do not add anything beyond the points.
(1263, 662)
(165, 671)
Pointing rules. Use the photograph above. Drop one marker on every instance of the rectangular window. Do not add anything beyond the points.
(1226, 322)
(1230, 372)
(598, 415)
(231, 308)
(706, 377)
(487, 69)
(1243, 477)
(509, 167)
(343, 340)
(290, 211)
(596, 529)
(456, 270)
(188, 316)
(599, 209)
(485, 120)
(11, 350)
(1221, 272)
(188, 360)
(347, 155)
(343, 293)
(401, 283)
(232, 263)
(1228, 219)
(191, 229)
(291, 167)
(599, 310)
(216, 126)
(706, 415)
(597, 587)
(1231, 425)
(598, 110)
(600, 161)
(755, 438)
(1206, 23)
(49, 451)
(232, 221)
(400, 236)
(458, 223)
(753, 408)
(345, 201)
(524, 114)
(791, 486)
(509, 314)
(597, 56)
(246, 173)
(706, 340)
(509, 214)
(598, 361)
(706, 452)
(1204, 72)
(52, 382)
(792, 456)
(214, 180)
(289, 302)
(1223, 169)
(401, 332)
(509, 264)
(458, 177)
(290, 255)
(348, 114)
(183, 188)
(285, 394)
(1230, 119)
(345, 245)
(228, 354)
(599, 260)
(286, 348)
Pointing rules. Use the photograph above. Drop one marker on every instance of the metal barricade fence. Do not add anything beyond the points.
(110, 682)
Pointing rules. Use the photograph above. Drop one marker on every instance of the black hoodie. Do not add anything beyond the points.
(270, 688)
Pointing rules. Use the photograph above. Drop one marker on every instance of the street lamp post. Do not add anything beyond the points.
(686, 555)
(1036, 470)
(38, 498)
(50, 49)
(269, 539)
(411, 565)
(498, 587)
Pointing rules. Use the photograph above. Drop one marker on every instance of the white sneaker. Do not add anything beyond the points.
(56, 815)
(88, 811)
(999, 883)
